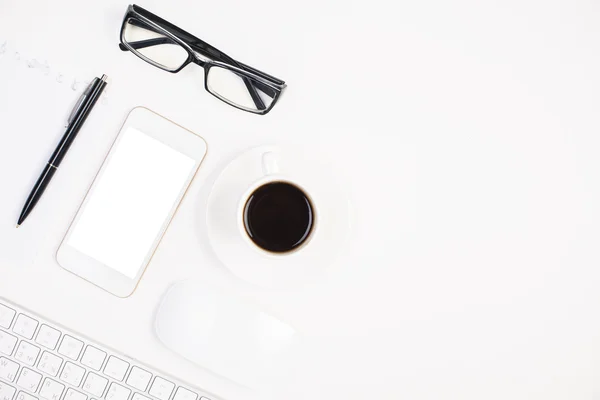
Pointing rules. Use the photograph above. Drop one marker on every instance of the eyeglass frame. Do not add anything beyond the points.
(197, 49)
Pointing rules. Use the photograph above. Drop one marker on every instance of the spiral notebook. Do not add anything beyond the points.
(34, 98)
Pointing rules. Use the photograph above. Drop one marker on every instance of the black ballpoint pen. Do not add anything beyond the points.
(76, 119)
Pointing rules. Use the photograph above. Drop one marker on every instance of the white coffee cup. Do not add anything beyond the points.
(272, 174)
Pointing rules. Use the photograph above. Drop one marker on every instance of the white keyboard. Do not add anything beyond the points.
(40, 360)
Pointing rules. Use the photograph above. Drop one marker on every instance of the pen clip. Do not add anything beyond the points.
(81, 100)
(76, 108)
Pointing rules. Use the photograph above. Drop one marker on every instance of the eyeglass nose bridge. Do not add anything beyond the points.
(199, 59)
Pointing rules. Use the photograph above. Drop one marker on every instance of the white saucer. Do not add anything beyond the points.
(249, 263)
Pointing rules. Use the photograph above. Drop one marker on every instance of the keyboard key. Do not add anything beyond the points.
(117, 392)
(27, 353)
(184, 394)
(72, 374)
(6, 391)
(51, 390)
(161, 388)
(116, 368)
(8, 343)
(25, 326)
(48, 337)
(6, 316)
(93, 358)
(73, 394)
(137, 396)
(50, 363)
(29, 380)
(139, 379)
(95, 384)
(70, 347)
(8, 369)
(25, 396)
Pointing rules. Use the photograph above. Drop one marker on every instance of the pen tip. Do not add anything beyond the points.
(104, 78)
(18, 226)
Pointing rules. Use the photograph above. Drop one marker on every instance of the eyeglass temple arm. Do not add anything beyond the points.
(191, 39)
(141, 44)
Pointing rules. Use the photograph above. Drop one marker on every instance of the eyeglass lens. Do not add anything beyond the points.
(236, 89)
(153, 45)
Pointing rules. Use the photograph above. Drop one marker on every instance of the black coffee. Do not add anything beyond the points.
(278, 217)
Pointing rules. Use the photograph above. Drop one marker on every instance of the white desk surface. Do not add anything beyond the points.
(468, 133)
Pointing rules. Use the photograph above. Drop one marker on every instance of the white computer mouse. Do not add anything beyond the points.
(226, 334)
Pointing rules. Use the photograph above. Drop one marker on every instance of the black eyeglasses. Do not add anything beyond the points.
(168, 47)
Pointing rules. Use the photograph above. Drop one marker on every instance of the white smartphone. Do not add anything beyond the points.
(131, 202)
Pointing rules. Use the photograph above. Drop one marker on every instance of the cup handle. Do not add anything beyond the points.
(269, 164)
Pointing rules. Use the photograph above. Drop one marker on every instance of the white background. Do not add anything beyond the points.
(467, 131)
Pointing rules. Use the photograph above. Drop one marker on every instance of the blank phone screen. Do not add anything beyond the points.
(130, 202)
